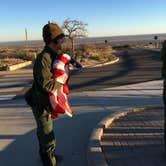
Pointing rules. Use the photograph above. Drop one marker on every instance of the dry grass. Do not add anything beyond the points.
(85, 54)
(94, 53)
(10, 61)
(14, 55)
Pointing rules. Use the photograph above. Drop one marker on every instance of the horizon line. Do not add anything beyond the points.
(146, 34)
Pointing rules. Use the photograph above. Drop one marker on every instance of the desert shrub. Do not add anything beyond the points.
(11, 53)
(1, 63)
(2, 51)
(82, 47)
(97, 57)
(122, 46)
(111, 57)
(10, 61)
(126, 46)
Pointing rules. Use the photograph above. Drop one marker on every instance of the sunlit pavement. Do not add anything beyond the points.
(18, 142)
(17, 126)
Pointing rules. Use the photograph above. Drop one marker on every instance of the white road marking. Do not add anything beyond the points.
(12, 83)
(18, 75)
(11, 89)
(6, 97)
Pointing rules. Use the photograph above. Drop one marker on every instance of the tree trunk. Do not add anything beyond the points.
(72, 41)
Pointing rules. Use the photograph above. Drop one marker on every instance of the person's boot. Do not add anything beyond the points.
(48, 159)
(165, 138)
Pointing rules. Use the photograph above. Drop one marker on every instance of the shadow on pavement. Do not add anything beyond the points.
(127, 65)
(72, 136)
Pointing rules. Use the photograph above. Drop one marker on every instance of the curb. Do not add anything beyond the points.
(153, 49)
(18, 66)
(102, 64)
(95, 155)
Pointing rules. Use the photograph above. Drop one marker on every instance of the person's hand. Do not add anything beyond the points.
(75, 63)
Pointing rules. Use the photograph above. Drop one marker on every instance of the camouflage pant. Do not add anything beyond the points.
(45, 135)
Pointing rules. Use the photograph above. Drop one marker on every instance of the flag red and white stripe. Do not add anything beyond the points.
(59, 98)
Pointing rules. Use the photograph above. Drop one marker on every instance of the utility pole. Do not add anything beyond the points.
(155, 38)
(26, 38)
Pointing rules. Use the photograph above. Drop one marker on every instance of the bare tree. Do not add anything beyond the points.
(74, 29)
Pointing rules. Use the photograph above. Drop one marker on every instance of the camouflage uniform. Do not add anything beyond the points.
(163, 72)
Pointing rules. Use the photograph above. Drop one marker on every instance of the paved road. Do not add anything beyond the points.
(134, 66)
(13, 83)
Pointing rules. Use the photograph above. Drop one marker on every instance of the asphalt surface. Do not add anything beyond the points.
(135, 66)
(13, 83)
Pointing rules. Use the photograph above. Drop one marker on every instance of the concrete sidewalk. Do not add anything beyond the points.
(136, 139)
(18, 142)
(130, 97)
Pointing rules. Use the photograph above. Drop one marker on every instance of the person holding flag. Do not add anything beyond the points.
(50, 90)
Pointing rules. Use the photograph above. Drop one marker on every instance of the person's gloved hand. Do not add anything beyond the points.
(75, 63)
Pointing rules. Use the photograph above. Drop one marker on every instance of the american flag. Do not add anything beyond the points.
(59, 98)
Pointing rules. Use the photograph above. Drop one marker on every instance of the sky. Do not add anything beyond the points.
(104, 17)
